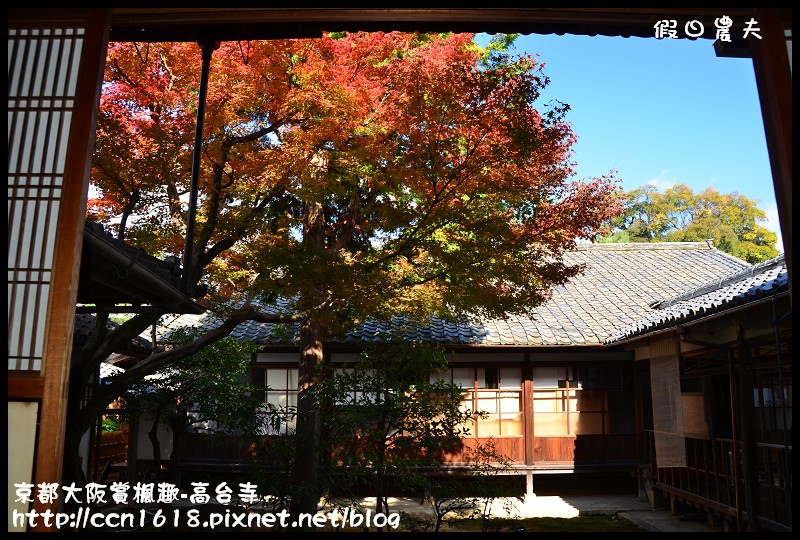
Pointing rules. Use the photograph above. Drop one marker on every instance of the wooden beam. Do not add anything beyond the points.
(25, 388)
(221, 24)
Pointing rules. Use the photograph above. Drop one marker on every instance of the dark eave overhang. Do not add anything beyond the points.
(113, 280)
(220, 24)
(231, 24)
(143, 24)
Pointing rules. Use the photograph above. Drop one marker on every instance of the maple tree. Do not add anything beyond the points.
(352, 176)
(731, 220)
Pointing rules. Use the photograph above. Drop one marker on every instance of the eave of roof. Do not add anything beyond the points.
(113, 274)
(739, 289)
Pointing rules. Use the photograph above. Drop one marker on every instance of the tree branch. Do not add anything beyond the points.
(154, 362)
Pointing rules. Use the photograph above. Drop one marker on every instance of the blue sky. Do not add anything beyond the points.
(662, 111)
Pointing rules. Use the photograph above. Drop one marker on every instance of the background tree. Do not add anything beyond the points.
(210, 392)
(681, 215)
(350, 176)
(387, 418)
(470, 491)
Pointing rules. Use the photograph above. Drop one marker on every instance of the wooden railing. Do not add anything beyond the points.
(774, 482)
(512, 448)
(709, 479)
(708, 473)
(566, 451)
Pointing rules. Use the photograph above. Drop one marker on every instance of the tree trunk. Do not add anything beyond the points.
(178, 426)
(72, 471)
(79, 383)
(81, 414)
(381, 505)
(306, 478)
(306, 475)
(380, 466)
(153, 436)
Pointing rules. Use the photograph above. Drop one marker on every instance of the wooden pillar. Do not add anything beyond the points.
(747, 413)
(736, 468)
(527, 422)
(132, 473)
(641, 377)
(774, 79)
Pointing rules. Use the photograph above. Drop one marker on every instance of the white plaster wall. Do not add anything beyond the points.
(21, 441)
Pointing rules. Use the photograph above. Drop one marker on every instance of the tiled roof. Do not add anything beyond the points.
(739, 288)
(617, 288)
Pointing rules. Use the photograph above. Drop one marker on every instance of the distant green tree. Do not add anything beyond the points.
(388, 418)
(679, 214)
(110, 424)
(208, 391)
(471, 491)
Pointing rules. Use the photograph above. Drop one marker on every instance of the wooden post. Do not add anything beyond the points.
(527, 422)
(749, 468)
(736, 469)
(133, 450)
(774, 81)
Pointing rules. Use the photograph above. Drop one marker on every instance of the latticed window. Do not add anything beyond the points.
(280, 397)
(578, 401)
(497, 391)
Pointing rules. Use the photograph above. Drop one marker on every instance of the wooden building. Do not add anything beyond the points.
(52, 109)
(559, 400)
(713, 369)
